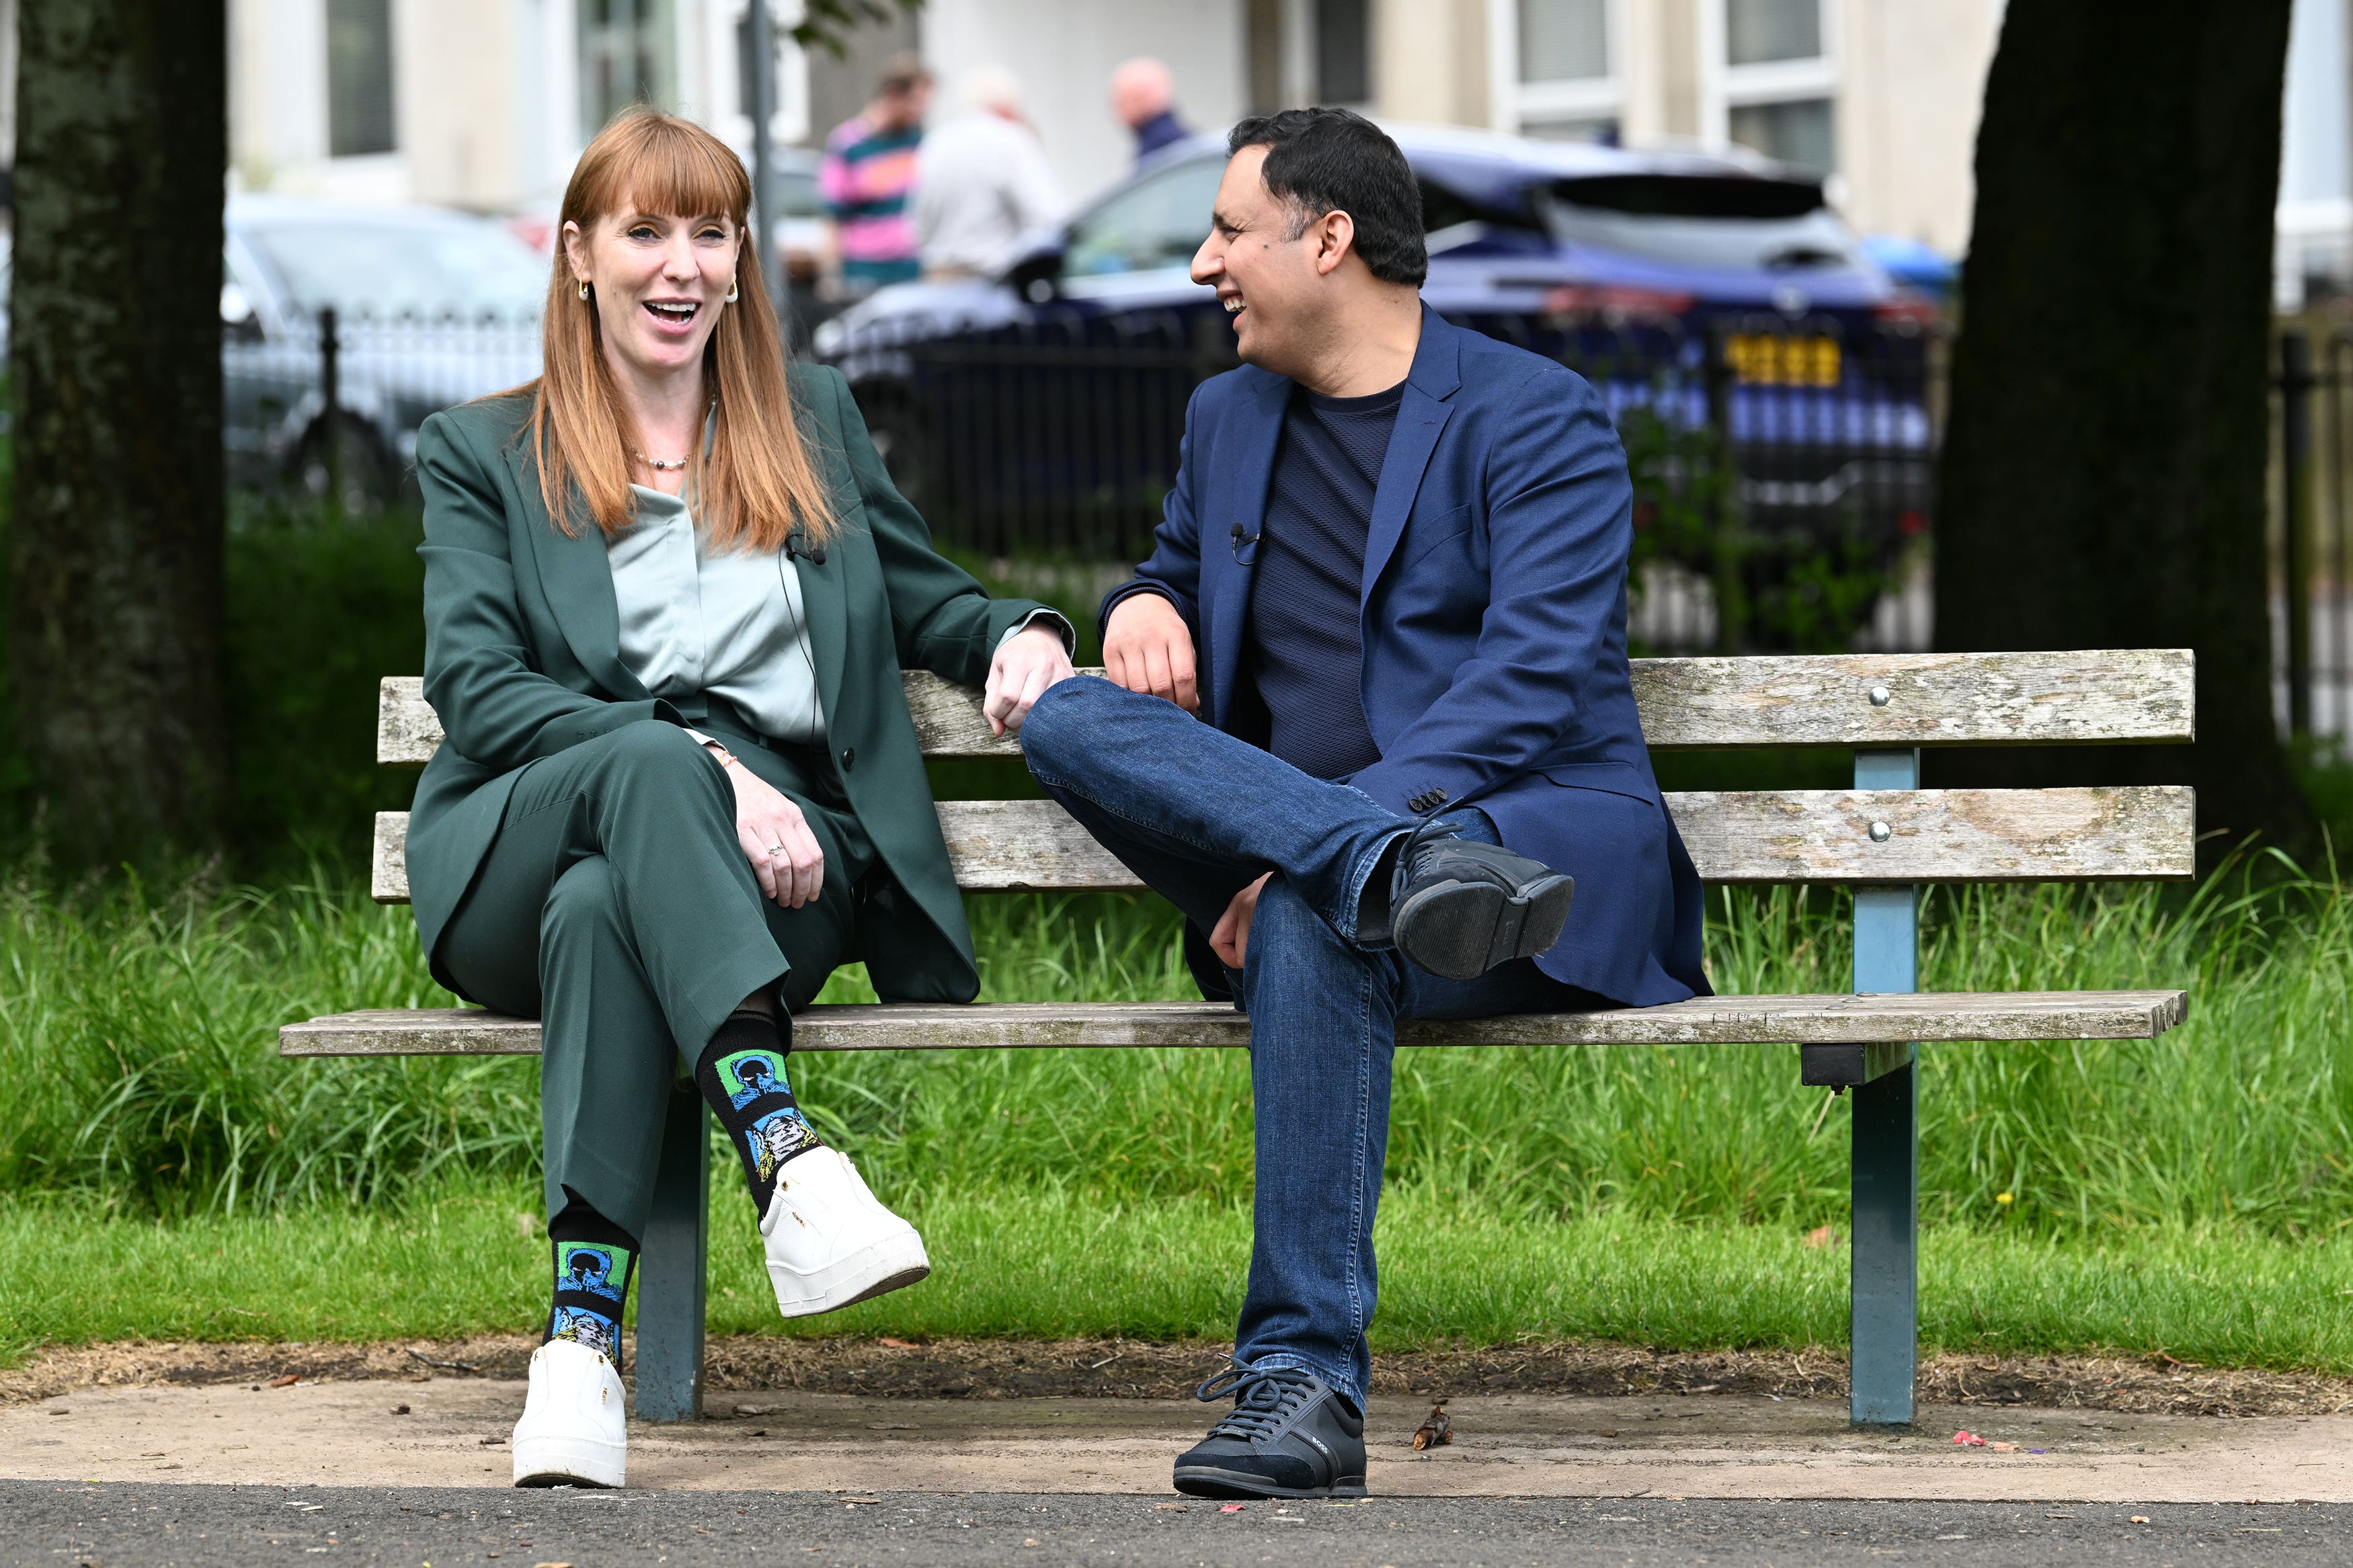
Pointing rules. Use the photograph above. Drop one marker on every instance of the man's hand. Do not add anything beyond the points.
(776, 839)
(1230, 941)
(1147, 648)
(1032, 659)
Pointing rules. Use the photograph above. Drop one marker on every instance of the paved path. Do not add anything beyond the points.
(151, 1525)
(452, 1432)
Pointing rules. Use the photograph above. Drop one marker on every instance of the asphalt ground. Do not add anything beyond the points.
(116, 1526)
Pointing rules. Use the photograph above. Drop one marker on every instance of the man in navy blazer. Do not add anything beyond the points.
(1389, 589)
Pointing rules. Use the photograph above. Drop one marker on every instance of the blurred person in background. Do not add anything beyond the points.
(1144, 96)
(981, 181)
(868, 172)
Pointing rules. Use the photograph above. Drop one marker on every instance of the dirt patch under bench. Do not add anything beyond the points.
(741, 1367)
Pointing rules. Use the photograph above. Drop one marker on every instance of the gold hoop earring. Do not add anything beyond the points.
(584, 290)
(734, 289)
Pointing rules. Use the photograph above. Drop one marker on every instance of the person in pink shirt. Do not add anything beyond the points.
(867, 175)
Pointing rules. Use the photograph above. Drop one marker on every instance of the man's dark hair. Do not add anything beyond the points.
(1331, 160)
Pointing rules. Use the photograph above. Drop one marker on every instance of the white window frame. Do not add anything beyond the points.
(1512, 104)
(719, 102)
(1723, 86)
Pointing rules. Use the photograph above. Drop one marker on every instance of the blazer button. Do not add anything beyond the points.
(848, 758)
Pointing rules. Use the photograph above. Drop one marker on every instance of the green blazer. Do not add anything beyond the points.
(522, 659)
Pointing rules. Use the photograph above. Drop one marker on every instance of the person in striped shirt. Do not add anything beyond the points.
(867, 175)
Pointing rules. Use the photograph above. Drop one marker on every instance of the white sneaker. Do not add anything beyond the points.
(830, 1242)
(573, 1432)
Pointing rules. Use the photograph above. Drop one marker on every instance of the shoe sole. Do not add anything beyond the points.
(1459, 931)
(878, 1268)
(570, 1462)
(1209, 1481)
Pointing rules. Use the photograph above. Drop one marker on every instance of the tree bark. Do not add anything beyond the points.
(2103, 469)
(115, 552)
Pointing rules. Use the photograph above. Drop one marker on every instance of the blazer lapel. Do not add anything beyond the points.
(578, 581)
(825, 609)
(1422, 412)
(1240, 499)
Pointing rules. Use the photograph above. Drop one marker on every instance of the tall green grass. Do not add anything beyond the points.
(137, 1043)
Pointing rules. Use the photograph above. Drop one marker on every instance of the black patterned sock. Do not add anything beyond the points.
(742, 1074)
(593, 1259)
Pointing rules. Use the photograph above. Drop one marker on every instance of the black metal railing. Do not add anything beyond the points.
(1784, 467)
(329, 403)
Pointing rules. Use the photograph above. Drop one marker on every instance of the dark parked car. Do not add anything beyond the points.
(1044, 406)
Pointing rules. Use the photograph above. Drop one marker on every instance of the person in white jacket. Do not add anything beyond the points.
(981, 181)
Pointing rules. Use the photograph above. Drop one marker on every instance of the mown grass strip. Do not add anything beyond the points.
(1043, 1263)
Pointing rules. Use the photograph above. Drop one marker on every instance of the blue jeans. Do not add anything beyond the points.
(1198, 815)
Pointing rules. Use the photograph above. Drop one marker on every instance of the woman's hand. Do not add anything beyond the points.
(1032, 659)
(776, 839)
(1148, 647)
(1230, 941)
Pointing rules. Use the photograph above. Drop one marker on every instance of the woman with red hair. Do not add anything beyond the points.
(669, 589)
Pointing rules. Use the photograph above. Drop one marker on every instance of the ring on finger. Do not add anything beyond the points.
(775, 848)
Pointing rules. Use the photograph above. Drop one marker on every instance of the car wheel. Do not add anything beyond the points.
(345, 447)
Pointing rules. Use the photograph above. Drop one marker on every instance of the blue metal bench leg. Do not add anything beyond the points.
(1885, 1255)
(1885, 1251)
(671, 1276)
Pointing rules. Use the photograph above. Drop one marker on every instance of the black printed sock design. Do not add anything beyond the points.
(594, 1260)
(742, 1074)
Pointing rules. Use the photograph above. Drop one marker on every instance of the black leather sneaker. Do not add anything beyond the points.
(1290, 1433)
(1458, 910)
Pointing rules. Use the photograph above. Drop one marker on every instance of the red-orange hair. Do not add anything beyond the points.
(759, 484)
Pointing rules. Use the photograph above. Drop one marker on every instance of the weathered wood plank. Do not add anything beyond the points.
(2132, 696)
(1714, 1020)
(2142, 696)
(1767, 836)
(1866, 837)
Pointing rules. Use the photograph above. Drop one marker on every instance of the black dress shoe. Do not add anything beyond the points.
(1458, 910)
(1290, 1433)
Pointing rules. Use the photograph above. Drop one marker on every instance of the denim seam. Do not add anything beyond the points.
(1363, 1115)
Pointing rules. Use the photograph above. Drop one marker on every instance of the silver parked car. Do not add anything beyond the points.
(430, 307)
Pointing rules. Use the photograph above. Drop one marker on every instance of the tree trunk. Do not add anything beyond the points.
(2103, 482)
(115, 550)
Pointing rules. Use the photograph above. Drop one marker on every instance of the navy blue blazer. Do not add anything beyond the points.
(1494, 629)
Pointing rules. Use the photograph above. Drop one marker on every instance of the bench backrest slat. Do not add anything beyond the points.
(1765, 836)
(2140, 695)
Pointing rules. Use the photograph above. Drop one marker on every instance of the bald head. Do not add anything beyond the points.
(1141, 88)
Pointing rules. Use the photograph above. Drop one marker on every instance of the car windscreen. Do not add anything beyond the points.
(430, 269)
(1700, 220)
(796, 193)
(1158, 222)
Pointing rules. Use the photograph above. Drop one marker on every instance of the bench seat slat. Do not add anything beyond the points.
(1714, 1020)
(2131, 696)
(2140, 833)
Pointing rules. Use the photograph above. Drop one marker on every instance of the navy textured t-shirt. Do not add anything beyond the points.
(1305, 656)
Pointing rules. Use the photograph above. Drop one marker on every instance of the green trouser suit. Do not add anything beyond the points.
(572, 854)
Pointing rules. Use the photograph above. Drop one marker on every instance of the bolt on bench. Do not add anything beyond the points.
(1884, 837)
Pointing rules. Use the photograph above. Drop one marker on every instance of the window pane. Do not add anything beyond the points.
(1798, 134)
(1601, 131)
(628, 54)
(1344, 60)
(1759, 30)
(359, 77)
(1564, 40)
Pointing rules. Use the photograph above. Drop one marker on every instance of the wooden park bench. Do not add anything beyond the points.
(1884, 838)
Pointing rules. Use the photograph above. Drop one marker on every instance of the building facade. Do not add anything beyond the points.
(486, 103)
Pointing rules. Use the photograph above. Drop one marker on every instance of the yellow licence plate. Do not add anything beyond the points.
(1769, 359)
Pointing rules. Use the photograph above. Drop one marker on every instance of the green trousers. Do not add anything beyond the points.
(618, 908)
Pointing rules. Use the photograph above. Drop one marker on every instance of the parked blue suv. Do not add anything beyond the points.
(1044, 406)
